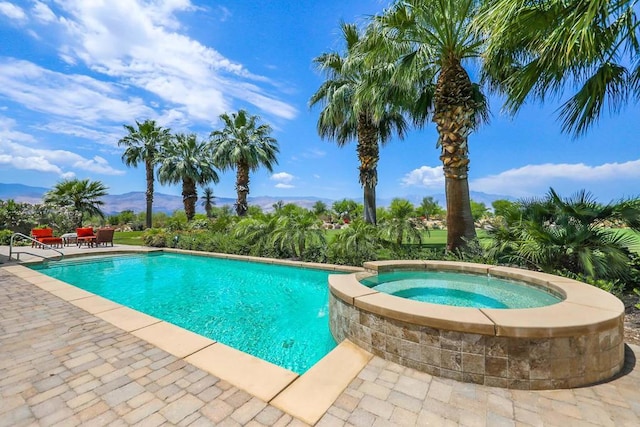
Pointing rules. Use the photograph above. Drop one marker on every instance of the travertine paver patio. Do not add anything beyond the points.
(60, 365)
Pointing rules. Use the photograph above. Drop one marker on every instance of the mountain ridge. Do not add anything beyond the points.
(136, 200)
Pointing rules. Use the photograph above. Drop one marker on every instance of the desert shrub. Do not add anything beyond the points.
(199, 224)
(557, 235)
(354, 245)
(157, 237)
(208, 241)
(5, 237)
(315, 253)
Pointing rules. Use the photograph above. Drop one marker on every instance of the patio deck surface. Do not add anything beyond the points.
(61, 365)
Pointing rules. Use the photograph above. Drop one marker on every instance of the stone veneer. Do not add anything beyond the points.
(576, 342)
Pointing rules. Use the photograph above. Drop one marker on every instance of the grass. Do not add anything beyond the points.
(128, 238)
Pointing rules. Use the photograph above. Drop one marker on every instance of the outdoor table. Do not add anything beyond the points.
(69, 238)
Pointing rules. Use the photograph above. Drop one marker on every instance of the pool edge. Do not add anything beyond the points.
(287, 383)
(515, 348)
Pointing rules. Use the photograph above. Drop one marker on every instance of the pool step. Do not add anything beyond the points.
(309, 396)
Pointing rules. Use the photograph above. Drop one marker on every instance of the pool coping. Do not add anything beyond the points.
(584, 307)
(575, 342)
(306, 397)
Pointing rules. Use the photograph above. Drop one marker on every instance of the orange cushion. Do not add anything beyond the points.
(42, 232)
(84, 232)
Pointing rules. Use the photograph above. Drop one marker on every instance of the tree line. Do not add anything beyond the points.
(243, 144)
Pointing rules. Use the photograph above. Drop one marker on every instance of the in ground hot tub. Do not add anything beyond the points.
(574, 341)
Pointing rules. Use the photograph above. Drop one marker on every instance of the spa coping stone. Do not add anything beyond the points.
(499, 347)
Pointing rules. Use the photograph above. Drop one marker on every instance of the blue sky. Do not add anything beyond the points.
(72, 72)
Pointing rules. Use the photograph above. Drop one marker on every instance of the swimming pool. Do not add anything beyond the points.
(274, 312)
(460, 289)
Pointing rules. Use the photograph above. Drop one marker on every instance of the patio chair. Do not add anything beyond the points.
(86, 236)
(44, 236)
(104, 235)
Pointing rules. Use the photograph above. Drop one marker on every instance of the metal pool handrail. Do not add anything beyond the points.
(45, 246)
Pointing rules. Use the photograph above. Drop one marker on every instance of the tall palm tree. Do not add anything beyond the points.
(245, 145)
(426, 43)
(208, 201)
(535, 48)
(345, 117)
(81, 195)
(142, 145)
(184, 159)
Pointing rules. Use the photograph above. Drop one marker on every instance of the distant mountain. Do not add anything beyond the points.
(136, 200)
(22, 193)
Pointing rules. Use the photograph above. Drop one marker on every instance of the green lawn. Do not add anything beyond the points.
(128, 238)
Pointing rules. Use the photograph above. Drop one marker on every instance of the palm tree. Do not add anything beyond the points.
(142, 145)
(257, 231)
(208, 201)
(572, 234)
(425, 44)
(81, 195)
(245, 145)
(320, 209)
(429, 207)
(400, 225)
(295, 231)
(185, 159)
(344, 117)
(355, 244)
(535, 48)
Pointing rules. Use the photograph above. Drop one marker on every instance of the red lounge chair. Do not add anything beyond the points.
(104, 235)
(44, 236)
(86, 236)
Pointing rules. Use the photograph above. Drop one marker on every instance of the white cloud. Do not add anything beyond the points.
(8, 133)
(281, 185)
(425, 176)
(42, 12)
(61, 162)
(282, 177)
(284, 180)
(533, 180)
(314, 153)
(139, 44)
(224, 13)
(106, 136)
(73, 96)
(12, 11)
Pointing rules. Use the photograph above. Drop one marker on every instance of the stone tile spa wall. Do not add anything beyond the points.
(573, 343)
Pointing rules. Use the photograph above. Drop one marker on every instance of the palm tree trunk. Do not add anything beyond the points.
(149, 217)
(242, 188)
(368, 155)
(454, 119)
(189, 197)
(460, 226)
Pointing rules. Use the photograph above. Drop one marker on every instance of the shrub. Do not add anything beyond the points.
(156, 237)
(5, 237)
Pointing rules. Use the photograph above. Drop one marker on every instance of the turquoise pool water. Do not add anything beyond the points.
(277, 313)
(459, 289)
